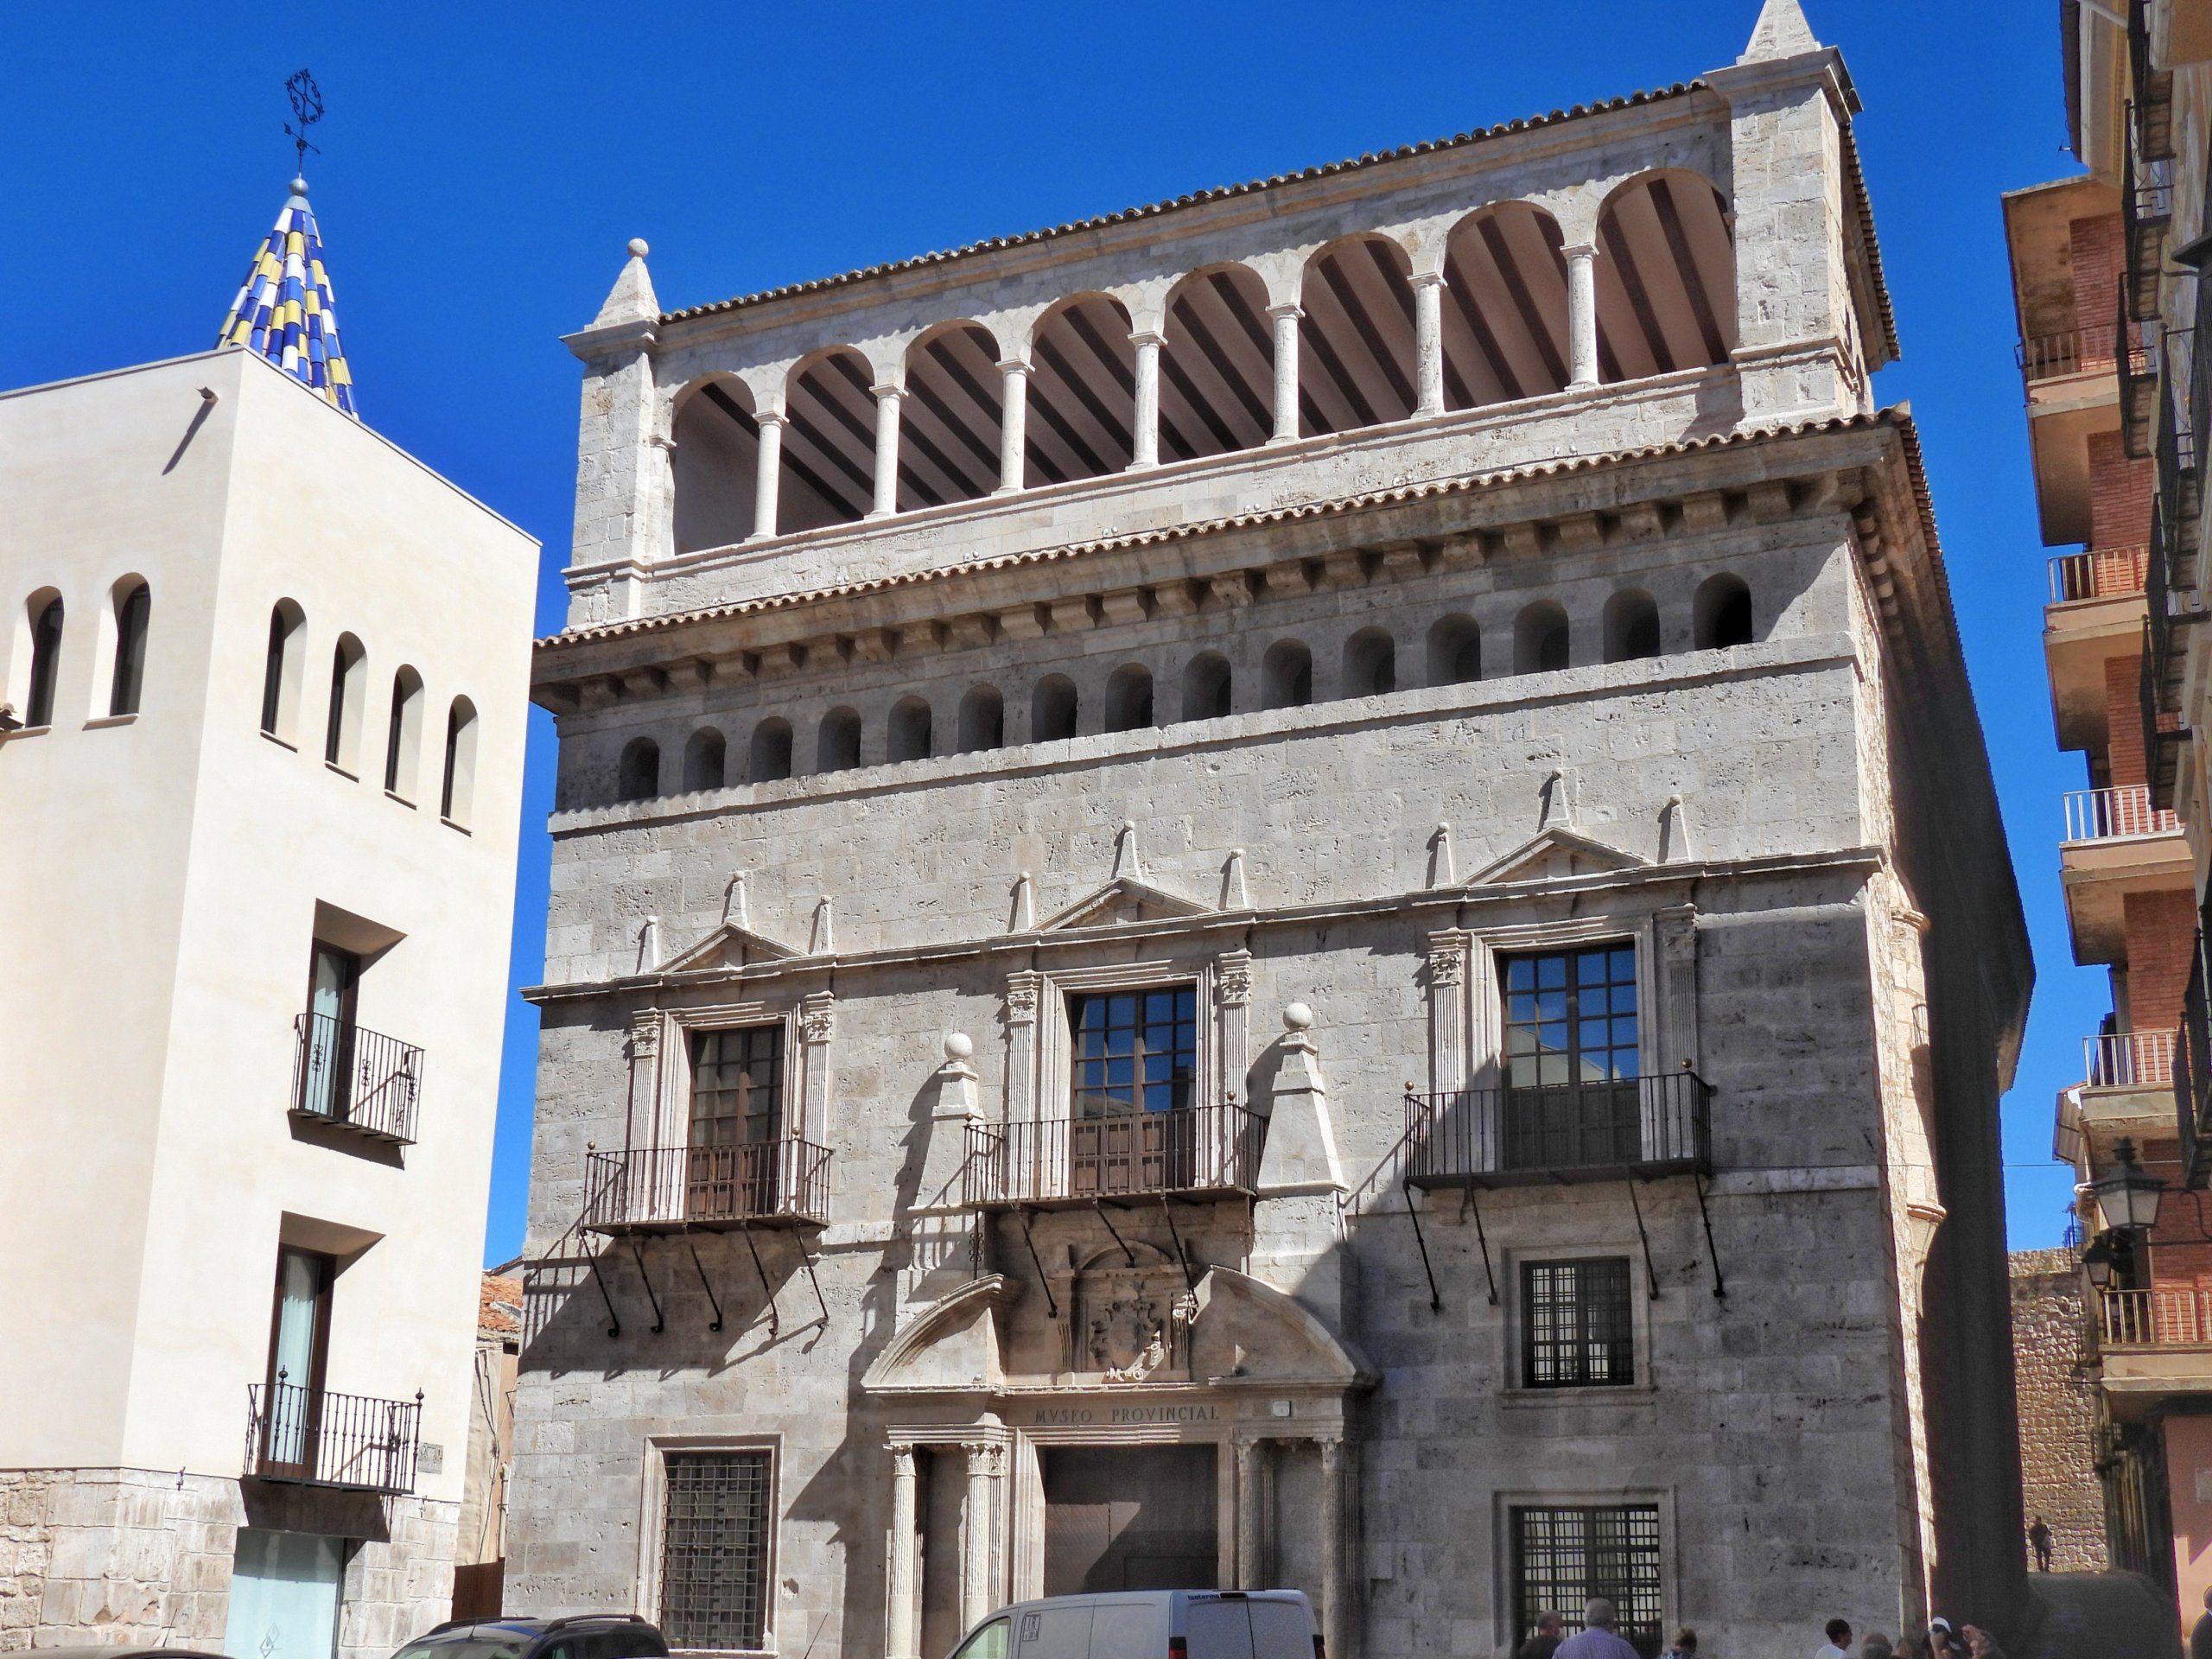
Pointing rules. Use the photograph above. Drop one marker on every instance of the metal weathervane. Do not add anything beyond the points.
(307, 110)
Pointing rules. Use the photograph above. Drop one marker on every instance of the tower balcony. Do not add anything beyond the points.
(1053, 1163)
(1570, 1132)
(782, 1183)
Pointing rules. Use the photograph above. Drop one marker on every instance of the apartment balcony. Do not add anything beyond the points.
(360, 1082)
(1189, 1151)
(1571, 1132)
(314, 1438)
(782, 1183)
(2147, 207)
(2153, 1344)
(2097, 573)
(2118, 842)
(2128, 1086)
(2094, 616)
(2152, 112)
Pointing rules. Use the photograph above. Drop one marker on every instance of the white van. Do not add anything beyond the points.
(1150, 1624)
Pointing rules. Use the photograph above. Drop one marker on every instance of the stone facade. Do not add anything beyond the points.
(916, 1324)
(2058, 1408)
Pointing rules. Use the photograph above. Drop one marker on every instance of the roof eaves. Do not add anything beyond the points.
(1856, 176)
(1218, 193)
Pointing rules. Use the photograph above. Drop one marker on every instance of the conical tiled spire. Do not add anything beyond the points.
(285, 310)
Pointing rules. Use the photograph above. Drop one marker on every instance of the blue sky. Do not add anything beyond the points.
(482, 167)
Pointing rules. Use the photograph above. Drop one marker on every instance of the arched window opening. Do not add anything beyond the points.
(457, 788)
(1286, 676)
(828, 454)
(1355, 345)
(1371, 664)
(1083, 389)
(403, 734)
(1206, 686)
(705, 754)
(1053, 709)
(715, 464)
(1455, 651)
(1666, 277)
(983, 720)
(134, 610)
(1505, 307)
(638, 775)
(1128, 698)
(1631, 626)
(1217, 369)
(1723, 613)
(349, 691)
(907, 737)
(1540, 639)
(282, 670)
(770, 761)
(45, 618)
(949, 417)
(837, 741)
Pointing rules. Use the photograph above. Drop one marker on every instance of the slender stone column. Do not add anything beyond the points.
(978, 1534)
(1013, 425)
(768, 474)
(1287, 318)
(1145, 433)
(900, 1624)
(1582, 314)
(1336, 1516)
(1428, 340)
(1247, 1515)
(887, 452)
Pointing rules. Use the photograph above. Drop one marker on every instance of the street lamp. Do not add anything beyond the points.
(2127, 1197)
(2097, 1259)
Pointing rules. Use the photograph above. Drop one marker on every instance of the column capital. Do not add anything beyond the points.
(1012, 366)
(1421, 279)
(771, 417)
(1290, 308)
(1142, 337)
(886, 389)
(902, 1458)
(1581, 250)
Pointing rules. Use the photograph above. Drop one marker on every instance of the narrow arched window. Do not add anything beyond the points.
(45, 662)
(403, 734)
(341, 729)
(983, 720)
(281, 671)
(1371, 664)
(771, 751)
(1053, 709)
(1455, 651)
(638, 776)
(458, 785)
(134, 610)
(837, 743)
(1128, 698)
(1723, 613)
(908, 736)
(704, 756)
(1206, 687)
(1286, 674)
(1631, 626)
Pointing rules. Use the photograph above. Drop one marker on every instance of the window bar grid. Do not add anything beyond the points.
(1563, 1557)
(713, 1580)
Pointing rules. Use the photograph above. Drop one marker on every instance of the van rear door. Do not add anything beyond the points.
(1217, 1627)
(1282, 1628)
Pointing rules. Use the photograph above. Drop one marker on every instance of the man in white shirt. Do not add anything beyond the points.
(1839, 1639)
(1596, 1639)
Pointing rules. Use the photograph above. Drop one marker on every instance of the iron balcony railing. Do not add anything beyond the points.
(2137, 366)
(320, 1439)
(675, 1189)
(2153, 87)
(2114, 814)
(2192, 1066)
(2097, 573)
(2176, 1316)
(2070, 352)
(355, 1079)
(1114, 1154)
(1589, 1131)
(2147, 207)
(2129, 1059)
(2156, 691)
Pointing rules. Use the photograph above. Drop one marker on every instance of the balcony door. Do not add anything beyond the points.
(326, 1085)
(737, 1123)
(1135, 1058)
(1572, 1060)
(299, 1341)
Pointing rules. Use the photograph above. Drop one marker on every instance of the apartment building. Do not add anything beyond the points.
(1295, 888)
(262, 768)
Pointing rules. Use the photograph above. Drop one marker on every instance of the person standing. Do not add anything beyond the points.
(2200, 1639)
(2039, 1540)
(1876, 1646)
(1839, 1634)
(1685, 1645)
(1597, 1638)
(1545, 1642)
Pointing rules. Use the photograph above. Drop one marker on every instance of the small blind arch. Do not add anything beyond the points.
(1128, 698)
(1371, 663)
(134, 611)
(1631, 626)
(907, 736)
(770, 758)
(1723, 612)
(1208, 687)
(457, 787)
(1286, 674)
(705, 759)
(1541, 639)
(837, 741)
(1053, 709)
(1455, 651)
(637, 774)
(983, 720)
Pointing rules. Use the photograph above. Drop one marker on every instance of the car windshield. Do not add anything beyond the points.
(483, 1645)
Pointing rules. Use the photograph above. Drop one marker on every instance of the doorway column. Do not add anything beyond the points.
(887, 452)
(900, 1622)
(1144, 445)
(978, 1533)
(768, 472)
(1014, 424)
(1428, 340)
(1286, 320)
(1582, 314)
(1247, 1515)
(1336, 1516)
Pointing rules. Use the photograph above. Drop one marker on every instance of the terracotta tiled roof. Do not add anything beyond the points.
(1900, 415)
(499, 1306)
(1218, 193)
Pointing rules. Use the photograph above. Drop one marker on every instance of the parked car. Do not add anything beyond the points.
(131, 1651)
(580, 1636)
(1150, 1624)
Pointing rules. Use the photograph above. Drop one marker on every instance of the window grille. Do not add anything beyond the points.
(1134, 1051)
(1562, 1557)
(715, 1538)
(737, 1086)
(1577, 1330)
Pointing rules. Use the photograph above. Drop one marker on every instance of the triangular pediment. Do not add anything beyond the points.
(1554, 853)
(731, 945)
(1126, 899)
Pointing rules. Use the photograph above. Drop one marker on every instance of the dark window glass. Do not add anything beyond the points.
(333, 726)
(1134, 1051)
(1571, 1017)
(1576, 1329)
(713, 1559)
(737, 1086)
(272, 673)
(46, 664)
(131, 622)
(1563, 1557)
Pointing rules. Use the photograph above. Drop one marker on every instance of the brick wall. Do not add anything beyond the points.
(2161, 934)
(2058, 1410)
(2119, 495)
(2100, 249)
(2124, 724)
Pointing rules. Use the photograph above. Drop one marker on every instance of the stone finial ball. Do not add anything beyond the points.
(638, 248)
(299, 184)
(1297, 1017)
(958, 1045)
